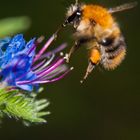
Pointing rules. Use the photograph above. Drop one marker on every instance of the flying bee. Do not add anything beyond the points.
(96, 27)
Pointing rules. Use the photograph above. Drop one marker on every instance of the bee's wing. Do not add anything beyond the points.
(123, 7)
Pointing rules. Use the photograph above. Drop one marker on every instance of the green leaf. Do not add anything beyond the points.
(13, 25)
(22, 106)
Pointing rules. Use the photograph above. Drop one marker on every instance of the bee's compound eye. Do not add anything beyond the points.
(107, 42)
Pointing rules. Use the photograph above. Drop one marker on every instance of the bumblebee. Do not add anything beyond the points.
(96, 27)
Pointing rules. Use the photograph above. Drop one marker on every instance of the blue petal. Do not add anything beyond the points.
(16, 44)
(16, 58)
(29, 76)
(4, 60)
(19, 65)
(26, 87)
(1, 52)
(8, 77)
(4, 43)
(28, 47)
(30, 43)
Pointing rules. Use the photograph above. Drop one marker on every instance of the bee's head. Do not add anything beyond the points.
(73, 14)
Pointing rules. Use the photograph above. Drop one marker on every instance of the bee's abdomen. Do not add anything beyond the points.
(113, 52)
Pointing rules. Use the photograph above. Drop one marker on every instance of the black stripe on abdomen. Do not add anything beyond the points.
(115, 47)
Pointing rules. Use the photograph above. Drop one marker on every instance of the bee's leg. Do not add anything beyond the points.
(75, 47)
(90, 67)
(94, 60)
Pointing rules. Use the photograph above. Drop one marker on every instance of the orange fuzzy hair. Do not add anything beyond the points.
(98, 14)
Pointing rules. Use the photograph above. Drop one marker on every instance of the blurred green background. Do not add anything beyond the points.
(107, 105)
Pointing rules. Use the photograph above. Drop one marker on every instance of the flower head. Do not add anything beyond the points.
(21, 67)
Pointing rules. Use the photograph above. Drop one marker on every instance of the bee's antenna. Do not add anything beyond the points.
(59, 29)
(64, 24)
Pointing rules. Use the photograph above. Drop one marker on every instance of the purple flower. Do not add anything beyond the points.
(21, 67)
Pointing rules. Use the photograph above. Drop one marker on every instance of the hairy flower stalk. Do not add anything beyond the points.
(22, 70)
